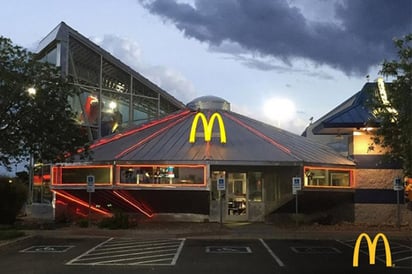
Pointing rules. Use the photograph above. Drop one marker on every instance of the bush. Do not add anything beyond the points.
(12, 198)
(118, 221)
(83, 223)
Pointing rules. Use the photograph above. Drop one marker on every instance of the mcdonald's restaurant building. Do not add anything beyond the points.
(158, 158)
(205, 163)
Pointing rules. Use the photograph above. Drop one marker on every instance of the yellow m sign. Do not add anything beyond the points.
(372, 249)
(208, 127)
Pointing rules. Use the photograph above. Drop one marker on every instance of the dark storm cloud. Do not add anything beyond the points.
(361, 35)
(267, 66)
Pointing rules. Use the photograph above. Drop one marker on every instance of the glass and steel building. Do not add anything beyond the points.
(113, 95)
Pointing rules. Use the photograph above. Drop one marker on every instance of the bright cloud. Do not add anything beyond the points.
(130, 53)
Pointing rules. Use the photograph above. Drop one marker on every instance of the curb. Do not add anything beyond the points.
(8, 242)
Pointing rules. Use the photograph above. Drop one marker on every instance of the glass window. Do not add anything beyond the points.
(316, 177)
(78, 174)
(181, 175)
(86, 105)
(339, 178)
(51, 56)
(139, 116)
(327, 177)
(115, 112)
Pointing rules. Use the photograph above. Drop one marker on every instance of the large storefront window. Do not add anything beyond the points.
(70, 175)
(161, 175)
(327, 177)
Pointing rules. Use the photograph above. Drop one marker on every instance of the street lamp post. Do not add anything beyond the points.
(32, 92)
(31, 177)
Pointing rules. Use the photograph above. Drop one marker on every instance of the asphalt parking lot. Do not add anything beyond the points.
(180, 255)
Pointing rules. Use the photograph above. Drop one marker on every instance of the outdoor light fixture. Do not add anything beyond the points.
(31, 91)
(112, 105)
(119, 87)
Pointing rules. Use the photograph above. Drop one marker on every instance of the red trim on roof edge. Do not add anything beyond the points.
(144, 126)
(129, 149)
(259, 134)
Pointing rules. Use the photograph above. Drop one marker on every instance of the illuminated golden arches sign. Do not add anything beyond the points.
(383, 95)
(208, 127)
(372, 249)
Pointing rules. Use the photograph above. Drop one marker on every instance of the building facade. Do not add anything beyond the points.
(156, 158)
(112, 97)
(349, 129)
(204, 162)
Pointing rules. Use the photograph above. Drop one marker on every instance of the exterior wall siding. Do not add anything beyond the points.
(382, 214)
(376, 178)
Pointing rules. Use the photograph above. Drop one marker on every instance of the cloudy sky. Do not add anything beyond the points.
(279, 61)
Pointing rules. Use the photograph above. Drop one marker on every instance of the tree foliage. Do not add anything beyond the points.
(395, 132)
(40, 124)
(13, 195)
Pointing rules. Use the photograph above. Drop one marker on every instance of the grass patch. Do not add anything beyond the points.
(10, 234)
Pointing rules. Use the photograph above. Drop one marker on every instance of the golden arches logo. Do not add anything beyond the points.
(372, 249)
(208, 127)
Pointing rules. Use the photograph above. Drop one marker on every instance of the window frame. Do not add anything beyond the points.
(328, 176)
(159, 185)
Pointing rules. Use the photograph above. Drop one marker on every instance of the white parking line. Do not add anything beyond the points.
(90, 250)
(118, 251)
(118, 261)
(179, 250)
(128, 254)
(274, 256)
(133, 248)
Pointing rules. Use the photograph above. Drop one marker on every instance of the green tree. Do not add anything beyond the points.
(395, 131)
(13, 195)
(41, 122)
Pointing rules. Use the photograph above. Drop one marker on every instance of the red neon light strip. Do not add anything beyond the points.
(78, 212)
(129, 132)
(81, 202)
(126, 151)
(261, 135)
(161, 165)
(59, 171)
(138, 203)
(132, 204)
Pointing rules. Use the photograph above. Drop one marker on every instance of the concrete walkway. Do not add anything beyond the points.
(227, 231)
(40, 214)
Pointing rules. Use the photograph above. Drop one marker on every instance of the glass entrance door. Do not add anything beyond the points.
(236, 193)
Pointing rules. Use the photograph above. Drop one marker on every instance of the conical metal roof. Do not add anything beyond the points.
(249, 142)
